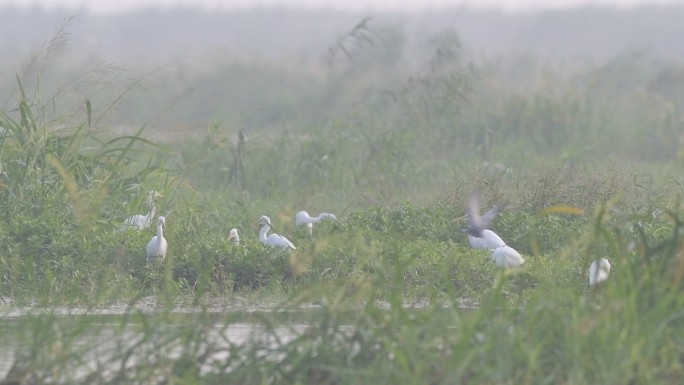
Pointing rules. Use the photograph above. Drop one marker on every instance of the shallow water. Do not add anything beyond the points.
(107, 341)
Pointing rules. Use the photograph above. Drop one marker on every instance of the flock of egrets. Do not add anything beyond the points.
(478, 233)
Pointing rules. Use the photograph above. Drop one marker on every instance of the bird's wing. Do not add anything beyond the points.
(282, 241)
(487, 217)
(474, 220)
(278, 240)
(290, 244)
(132, 220)
(592, 273)
(492, 239)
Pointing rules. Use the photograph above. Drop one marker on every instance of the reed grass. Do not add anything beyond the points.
(389, 293)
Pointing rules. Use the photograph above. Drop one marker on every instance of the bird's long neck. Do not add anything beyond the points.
(263, 231)
(160, 232)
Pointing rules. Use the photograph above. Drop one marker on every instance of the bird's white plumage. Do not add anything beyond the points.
(598, 271)
(488, 240)
(233, 236)
(156, 247)
(141, 222)
(303, 218)
(272, 240)
(507, 256)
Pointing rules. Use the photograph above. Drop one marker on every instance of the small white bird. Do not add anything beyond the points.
(598, 271)
(479, 235)
(303, 218)
(507, 256)
(233, 236)
(141, 222)
(274, 239)
(156, 247)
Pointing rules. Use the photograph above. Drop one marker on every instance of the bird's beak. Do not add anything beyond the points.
(231, 236)
(158, 195)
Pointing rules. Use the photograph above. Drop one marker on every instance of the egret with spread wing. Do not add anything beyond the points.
(479, 235)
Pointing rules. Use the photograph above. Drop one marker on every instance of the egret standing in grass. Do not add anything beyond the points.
(156, 247)
(598, 271)
(233, 236)
(303, 218)
(479, 235)
(273, 240)
(506, 256)
(141, 222)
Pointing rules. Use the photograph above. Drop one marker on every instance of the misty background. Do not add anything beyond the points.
(178, 71)
(285, 32)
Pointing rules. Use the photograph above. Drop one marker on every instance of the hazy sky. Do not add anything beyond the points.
(104, 6)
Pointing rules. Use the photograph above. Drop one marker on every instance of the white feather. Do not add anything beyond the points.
(507, 256)
(139, 221)
(156, 247)
(233, 236)
(488, 240)
(273, 240)
(598, 271)
(303, 218)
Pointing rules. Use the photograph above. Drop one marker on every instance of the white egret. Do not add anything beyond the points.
(479, 235)
(141, 222)
(303, 218)
(598, 271)
(233, 236)
(156, 247)
(274, 239)
(506, 256)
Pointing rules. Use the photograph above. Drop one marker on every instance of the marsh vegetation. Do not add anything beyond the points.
(589, 160)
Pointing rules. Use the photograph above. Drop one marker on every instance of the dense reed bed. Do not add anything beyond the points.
(388, 293)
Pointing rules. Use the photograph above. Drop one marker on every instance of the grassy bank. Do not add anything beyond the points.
(583, 176)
